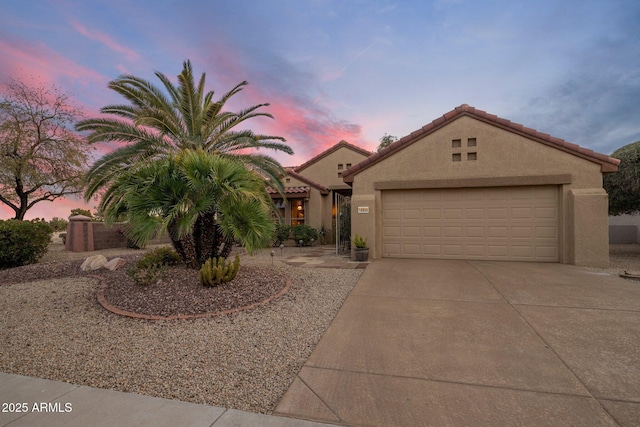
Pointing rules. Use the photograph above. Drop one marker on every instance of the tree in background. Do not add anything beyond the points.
(80, 211)
(58, 224)
(41, 158)
(386, 141)
(624, 186)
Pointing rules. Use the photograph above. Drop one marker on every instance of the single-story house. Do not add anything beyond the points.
(310, 189)
(471, 185)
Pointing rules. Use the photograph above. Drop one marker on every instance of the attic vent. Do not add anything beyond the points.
(466, 153)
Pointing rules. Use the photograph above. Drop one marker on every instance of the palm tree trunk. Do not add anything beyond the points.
(185, 248)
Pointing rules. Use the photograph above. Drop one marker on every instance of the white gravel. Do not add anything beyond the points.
(55, 329)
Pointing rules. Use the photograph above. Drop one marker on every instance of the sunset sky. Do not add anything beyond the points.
(351, 70)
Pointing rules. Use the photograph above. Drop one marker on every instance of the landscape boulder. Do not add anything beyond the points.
(115, 264)
(93, 263)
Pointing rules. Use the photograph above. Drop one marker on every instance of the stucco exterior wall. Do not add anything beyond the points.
(502, 158)
(317, 207)
(325, 170)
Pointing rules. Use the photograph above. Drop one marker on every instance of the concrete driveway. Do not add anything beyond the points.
(457, 343)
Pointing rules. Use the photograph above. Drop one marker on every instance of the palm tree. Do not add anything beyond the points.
(205, 201)
(157, 124)
(159, 127)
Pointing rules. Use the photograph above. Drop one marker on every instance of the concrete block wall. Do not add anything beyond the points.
(624, 229)
(106, 237)
(85, 236)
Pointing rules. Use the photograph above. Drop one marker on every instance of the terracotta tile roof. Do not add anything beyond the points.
(290, 190)
(341, 144)
(608, 164)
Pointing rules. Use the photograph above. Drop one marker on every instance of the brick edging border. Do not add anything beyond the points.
(113, 309)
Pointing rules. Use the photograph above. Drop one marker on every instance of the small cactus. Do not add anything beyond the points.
(216, 271)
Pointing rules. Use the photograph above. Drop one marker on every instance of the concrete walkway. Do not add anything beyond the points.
(321, 257)
(57, 404)
(456, 343)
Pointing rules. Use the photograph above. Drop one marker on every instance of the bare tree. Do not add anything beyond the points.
(41, 158)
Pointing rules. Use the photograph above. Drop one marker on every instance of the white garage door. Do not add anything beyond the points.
(497, 223)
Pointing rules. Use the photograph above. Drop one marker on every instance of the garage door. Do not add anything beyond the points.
(497, 223)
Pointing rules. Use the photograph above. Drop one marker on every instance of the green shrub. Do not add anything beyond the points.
(148, 270)
(58, 224)
(282, 233)
(306, 233)
(148, 275)
(159, 256)
(23, 242)
(80, 211)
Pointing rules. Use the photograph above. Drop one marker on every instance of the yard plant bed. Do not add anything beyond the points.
(53, 327)
(179, 293)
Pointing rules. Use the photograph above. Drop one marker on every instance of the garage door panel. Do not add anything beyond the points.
(391, 232)
(498, 213)
(390, 214)
(432, 231)
(411, 231)
(546, 213)
(522, 213)
(452, 231)
(453, 213)
(521, 232)
(547, 232)
(474, 213)
(432, 250)
(431, 213)
(498, 223)
(474, 232)
(409, 214)
(453, 250)
(498, 232)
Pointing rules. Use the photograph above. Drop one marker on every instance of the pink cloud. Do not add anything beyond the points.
(45, 66)
(106, 40)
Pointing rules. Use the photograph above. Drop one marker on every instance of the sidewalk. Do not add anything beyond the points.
(52, 404)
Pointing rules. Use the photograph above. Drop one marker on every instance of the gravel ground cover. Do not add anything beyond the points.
(51, 326)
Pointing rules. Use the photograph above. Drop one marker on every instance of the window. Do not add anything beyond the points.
(297, 212)
(471, 142)
(456, 143)
(287, 180)
(339, 174)
(457, 157)
(348, 165)
(340, 166)
(472, 156)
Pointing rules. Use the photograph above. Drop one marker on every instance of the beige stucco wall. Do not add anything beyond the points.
(325, 170)
(500, 154)
(317, 206)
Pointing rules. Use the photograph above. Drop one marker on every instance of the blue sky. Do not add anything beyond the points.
(351, 70)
